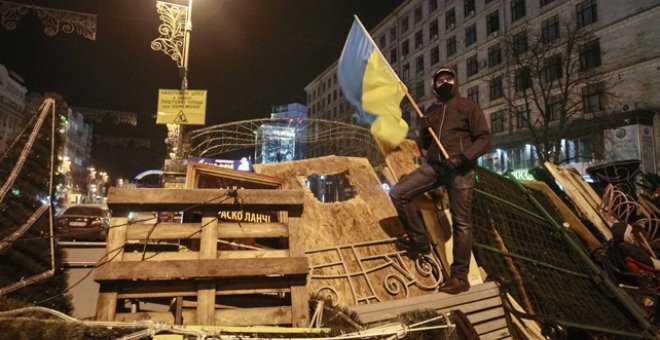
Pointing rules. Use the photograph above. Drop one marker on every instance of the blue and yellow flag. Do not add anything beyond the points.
(369, 83)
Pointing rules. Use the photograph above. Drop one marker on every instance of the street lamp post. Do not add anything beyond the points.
(180, 154)
(186, 46)
(175, 42)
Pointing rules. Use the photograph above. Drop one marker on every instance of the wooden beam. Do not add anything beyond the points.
(255, 230)
(228, 286)
(155, 199)
(253, 254)
(254, 316)
(208, 249)
(156, 289)
(226, 317)
(164, 317)
(197, 169)
(163, 231)
(199, 269)
(161, 256)
(438, 301)
(242, 286)
(171, 231)
(259, 329)
(194, 255)
(299, 295)
(233, 317)
(106, 304)
(583, 197)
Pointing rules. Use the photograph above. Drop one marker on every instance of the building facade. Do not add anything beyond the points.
(615, 119)
(12, 107)
(75, 157)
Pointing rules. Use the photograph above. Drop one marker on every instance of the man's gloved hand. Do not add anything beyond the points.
(426, 122)
(455, 161)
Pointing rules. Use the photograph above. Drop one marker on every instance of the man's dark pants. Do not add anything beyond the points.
(459, 185)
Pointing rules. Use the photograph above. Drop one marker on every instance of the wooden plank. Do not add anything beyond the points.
(498, 334)
(155, 199)
(196, 169)
(490, 288)
(573, 221)
(228, 317)
(253, 254)
(240, 286)
(193, 255)
(229, 286)
(164, 317)
(163, 231)
(258, 329)
(157, 289)
(487, 327)
(106, 304)
(433, 301)
(299, 296)
(400, 162)
(529, 328)
(502, 333)
(254, 316)
(162, 256)
(256, 230)
(486, 314)
(217, 268)
(580, 199)
(474, 306)
(208, 249)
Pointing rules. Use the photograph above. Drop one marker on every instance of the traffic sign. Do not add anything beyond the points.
(181, 107)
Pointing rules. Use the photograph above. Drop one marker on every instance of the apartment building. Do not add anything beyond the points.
(473, 36)
(12, 106)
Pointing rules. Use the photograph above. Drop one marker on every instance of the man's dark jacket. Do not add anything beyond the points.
(461, 127)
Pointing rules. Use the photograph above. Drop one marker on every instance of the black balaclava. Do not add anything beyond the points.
(446, 90)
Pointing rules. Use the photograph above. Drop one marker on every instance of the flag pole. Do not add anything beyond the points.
(405, 89)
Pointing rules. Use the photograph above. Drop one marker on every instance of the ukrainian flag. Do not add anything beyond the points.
(369, 83)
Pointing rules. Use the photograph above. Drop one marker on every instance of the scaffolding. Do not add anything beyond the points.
(317, 137)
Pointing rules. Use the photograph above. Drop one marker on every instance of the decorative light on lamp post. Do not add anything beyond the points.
(175, 42)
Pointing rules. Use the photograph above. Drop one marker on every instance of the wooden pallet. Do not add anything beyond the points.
(211, 286)
(482, 304)
(583, 197)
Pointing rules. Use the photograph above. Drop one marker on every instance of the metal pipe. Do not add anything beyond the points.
(531, 260)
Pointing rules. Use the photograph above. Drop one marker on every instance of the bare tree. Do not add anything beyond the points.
(550, 77)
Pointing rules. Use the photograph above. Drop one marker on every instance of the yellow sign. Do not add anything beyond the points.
(181, 107)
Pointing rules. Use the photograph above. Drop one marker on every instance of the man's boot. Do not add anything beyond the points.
(412, 249)
(454, 286)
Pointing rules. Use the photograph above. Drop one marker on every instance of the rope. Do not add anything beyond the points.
(152, 328)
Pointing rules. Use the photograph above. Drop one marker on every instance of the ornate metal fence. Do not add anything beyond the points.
(372, 273)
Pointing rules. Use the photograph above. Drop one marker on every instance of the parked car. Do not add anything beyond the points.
(83, 222)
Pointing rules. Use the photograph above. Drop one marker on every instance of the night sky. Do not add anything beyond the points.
(248, 54)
